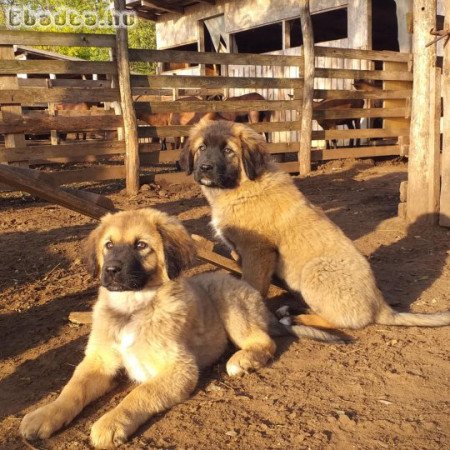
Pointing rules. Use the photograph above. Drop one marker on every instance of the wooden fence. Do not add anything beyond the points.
(32, 127)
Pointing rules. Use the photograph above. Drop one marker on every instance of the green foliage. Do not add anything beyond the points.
(89, 16)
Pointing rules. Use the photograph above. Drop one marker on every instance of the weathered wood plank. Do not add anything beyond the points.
(345, 94)
(42, 186)
(359, 134)
(57, 39)
(212, 58)
(34, 95)
(11, 67)
(350, 53)
(129, 116)
(185, 81)
(44, 124)
(230, 105)
(444, 207)
(98, 173)
(69, 151)
(422, 161)
(355, 113)
(363, 74)
(356, 152)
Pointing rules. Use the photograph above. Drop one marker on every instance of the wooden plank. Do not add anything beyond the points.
(359, 134)
(33, 182)
(355, 113)
(183, 130)
(10, 111)
(444, 206)
(207, 82)
(12, 67)
(212, 58)
(304, 154)
(129, 116)
(350, 53)
(56, 39)
(378, 95)
(97, 173)
(422, 204)
(356, 152)
(36, 152)
(57, 95)
(218, 106)
(44, 124)
(364, 74)
(63, 82)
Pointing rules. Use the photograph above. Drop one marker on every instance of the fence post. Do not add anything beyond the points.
(304, 156)
(422, 198)
(132, 163)
(11, 111)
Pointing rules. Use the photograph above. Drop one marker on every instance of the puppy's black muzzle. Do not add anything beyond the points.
(122, 270)
(212, 169)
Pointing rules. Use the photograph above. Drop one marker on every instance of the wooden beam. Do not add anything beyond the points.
(56, 39)
(129, 117)
(423, 157)
(304, 155)
(33, 95)
(42, 185)
(163, 6)
(444, 208)
(10, 112)
(13, 67)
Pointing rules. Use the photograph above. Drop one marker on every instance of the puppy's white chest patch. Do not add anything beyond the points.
(137, 367)
(216, 226)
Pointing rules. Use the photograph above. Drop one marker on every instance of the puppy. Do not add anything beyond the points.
(161, 329)
(259, 212)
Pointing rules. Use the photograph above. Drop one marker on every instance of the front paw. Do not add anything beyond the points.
(43, 422)
(108, 431)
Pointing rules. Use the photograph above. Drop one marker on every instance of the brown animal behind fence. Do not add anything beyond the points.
(332, 124)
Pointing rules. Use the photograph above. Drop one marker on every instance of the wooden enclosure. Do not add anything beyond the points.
(31, 125)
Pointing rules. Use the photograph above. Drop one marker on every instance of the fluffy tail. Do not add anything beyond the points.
(282, 329)
(388, 316)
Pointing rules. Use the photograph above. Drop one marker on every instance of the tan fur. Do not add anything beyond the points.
(275, 230)
(162, 335)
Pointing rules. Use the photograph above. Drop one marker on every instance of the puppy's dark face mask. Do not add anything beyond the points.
(136, 250)
(222, 154)
(216, 163)
(123, 266)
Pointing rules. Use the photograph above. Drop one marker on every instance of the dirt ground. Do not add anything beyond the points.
(388, 389)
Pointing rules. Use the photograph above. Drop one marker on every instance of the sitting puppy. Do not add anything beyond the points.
(259, 212)
(162, 330)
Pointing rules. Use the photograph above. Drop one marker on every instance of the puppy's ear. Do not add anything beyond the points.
(254, 155)
(179, 248)
(89, 252)
(186, 161)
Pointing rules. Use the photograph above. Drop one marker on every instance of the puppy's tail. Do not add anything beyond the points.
(388, 316)
(300, 331)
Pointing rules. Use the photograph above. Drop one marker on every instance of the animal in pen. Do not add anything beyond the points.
(332, 124)
(84, 106)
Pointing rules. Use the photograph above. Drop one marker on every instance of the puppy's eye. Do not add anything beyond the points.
(228, 151)
(140, 245)
(202, 148)
(109, 245)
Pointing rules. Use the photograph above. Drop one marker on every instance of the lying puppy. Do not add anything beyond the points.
(260, 213)
(161, 331)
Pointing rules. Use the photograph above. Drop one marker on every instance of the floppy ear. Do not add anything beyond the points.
(187, 158)
(254, 156)
(179, 248)
(89, 252)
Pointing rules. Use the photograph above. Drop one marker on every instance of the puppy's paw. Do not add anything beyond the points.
(245, 361)
(43, 422)
(108, 432)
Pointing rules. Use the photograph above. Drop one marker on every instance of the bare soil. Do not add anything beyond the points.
(388, 389)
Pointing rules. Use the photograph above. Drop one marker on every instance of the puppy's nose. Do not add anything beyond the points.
(206, 167)
(113, 269)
